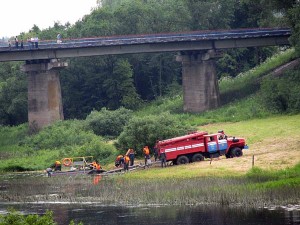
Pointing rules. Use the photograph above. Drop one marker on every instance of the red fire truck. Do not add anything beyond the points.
(199, 145)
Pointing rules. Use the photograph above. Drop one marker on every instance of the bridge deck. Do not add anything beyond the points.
(184, 38)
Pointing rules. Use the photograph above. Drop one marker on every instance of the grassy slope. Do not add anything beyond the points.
(274, 142)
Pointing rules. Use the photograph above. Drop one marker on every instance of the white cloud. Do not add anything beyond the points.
(20, 15)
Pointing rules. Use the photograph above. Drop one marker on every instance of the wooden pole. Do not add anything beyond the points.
(252, 161)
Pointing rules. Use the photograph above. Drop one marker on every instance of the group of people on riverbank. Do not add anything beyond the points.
(128, 159)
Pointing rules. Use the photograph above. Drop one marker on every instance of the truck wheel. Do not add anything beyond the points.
(182, 160)
(236, 152)
(197, 157)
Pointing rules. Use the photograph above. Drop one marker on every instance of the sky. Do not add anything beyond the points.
(20, 15)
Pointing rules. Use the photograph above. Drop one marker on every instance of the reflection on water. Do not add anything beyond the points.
(177, 215)
(138, 215)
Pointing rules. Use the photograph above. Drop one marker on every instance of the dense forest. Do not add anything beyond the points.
(130, 81)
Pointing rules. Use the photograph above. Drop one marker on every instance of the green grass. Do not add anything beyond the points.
(243, 79)
(162, 186)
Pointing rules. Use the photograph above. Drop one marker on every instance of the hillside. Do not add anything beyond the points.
(274, 143)
(271, 134)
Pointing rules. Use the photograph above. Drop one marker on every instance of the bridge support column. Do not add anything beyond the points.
(199, 81)
(44, 93)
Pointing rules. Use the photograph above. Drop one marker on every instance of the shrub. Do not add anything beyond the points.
(141, 131)
(107, 122)
(99, 149)
(281, 94)
(60, 134)
(16, 218)
(12, 135)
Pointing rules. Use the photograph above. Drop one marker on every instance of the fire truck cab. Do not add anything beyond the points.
(196, 146)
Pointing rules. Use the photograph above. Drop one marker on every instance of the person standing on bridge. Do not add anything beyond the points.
(58, 38)
(36, 40)
(29, 43)
(16, 42)
(32, 42)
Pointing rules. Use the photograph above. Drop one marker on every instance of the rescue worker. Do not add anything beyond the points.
(119, 160)
(98, 167)
(146, 152)
(163, 159)
(222, 135)
(93, 164)
(126, 162)
(49, 171)
(57, 165)
(131, 153)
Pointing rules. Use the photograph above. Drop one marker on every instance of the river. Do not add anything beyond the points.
(15, 188)
(91, 214)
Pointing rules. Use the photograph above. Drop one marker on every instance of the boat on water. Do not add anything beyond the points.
(84, 166)
(75, 166)
(77, 172)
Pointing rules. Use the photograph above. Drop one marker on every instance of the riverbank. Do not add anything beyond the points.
(272, 178)
(255, 189)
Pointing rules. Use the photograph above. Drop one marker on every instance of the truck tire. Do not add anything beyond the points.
(197, 157)
(182, 160)
(236, 152)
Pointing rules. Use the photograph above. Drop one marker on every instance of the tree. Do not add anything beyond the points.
(109, 123)
(119, 86)
(13, 94)
(141, 131)
(294, 20)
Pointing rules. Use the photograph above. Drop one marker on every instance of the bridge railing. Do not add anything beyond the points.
(149, 38)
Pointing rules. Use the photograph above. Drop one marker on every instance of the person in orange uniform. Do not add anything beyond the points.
(146, 152)
(98, 167)
(95, 165)
(126, 162)
(131, 153)
(119, 161)
(57, 166)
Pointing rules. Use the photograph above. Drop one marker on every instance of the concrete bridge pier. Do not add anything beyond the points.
(199, 81)
(44, 92)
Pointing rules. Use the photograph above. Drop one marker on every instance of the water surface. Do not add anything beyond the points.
(154, 215)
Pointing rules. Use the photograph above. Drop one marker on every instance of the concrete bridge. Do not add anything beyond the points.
(198, 50)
